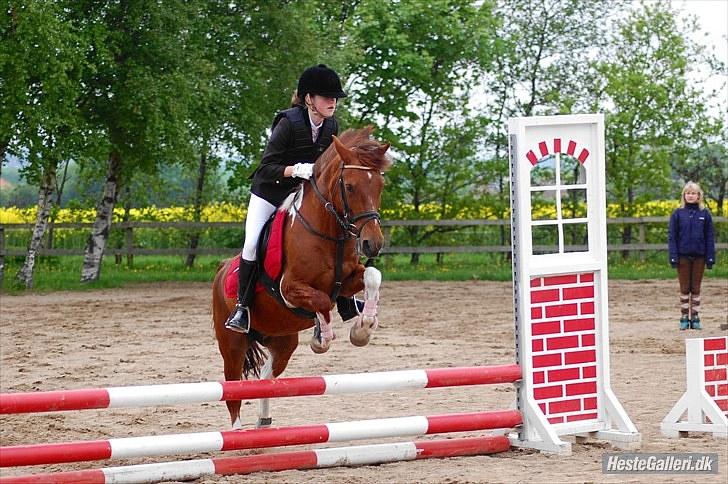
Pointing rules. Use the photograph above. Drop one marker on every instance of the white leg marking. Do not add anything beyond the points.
(361, 331)
(264, 403)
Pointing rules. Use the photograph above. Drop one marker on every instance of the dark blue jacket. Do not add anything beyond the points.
(289, 143)
(691, 234)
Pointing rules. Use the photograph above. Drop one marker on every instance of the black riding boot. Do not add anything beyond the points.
(239, 320)
(349, 307)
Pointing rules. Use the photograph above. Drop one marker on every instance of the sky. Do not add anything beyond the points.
(712, 16)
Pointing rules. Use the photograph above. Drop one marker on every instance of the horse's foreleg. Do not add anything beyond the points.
(306, 297)
(280, 349)
(362, 329)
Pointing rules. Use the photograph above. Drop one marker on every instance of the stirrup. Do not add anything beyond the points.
(349, 307)
(239, 320)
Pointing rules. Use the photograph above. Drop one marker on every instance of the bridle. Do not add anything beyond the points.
(346, 221)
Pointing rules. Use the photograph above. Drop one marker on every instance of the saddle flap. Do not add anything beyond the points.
(270, 256)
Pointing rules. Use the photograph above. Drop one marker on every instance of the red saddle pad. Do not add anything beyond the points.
(273, 263)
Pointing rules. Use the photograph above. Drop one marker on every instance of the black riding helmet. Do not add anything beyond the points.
(320, 80)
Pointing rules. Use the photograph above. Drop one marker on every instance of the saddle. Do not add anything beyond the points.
(270, 264)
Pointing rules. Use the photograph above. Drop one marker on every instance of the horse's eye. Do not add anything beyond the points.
(349, 188)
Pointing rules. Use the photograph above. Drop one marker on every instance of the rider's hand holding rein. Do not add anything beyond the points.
(299, 170)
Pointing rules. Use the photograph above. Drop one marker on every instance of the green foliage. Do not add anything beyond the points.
(412, 78)
(653, 112)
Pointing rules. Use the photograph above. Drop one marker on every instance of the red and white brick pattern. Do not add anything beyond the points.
(564, 354)
(715, 366)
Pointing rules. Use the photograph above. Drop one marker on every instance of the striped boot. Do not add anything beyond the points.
(694, 310)
(684, 311)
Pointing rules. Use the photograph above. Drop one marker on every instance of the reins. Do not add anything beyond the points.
(345, 221)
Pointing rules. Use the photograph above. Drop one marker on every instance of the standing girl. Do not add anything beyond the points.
(300, 135)
(692, 247)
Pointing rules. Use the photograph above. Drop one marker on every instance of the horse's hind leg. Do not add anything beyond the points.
(280, 349)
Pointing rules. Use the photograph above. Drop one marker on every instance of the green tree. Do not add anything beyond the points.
(540, 67)
(41, 63)
(653, 111)
(412, 78)
(707, 165)
(139, 94)
(252, 54)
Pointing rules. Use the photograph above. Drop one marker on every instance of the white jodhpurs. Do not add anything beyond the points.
(259, 211)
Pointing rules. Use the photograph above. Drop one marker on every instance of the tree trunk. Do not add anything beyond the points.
(3, 148)
(195, 237)
(96, 243)
(627, 231)
(125, 218)
(24, 275)
(59, 194)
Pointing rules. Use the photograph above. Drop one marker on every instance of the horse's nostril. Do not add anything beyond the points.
(370, 250)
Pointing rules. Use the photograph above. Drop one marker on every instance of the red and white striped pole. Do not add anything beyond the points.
(155, 395)
(307, 459)
(36, 454)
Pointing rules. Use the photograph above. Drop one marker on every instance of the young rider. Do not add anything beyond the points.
(299, 136)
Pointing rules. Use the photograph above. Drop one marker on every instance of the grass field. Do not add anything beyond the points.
(63, 273)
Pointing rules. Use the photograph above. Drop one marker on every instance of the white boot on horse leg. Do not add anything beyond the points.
(264, 417)
(362, 329)
(323, 335)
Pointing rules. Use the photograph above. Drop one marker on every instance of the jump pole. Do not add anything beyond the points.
(560, 283)
(125, 448)
(156, 395)
(307, 459)
(705, 401)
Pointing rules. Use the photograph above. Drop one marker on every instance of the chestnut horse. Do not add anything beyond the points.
(333, 220)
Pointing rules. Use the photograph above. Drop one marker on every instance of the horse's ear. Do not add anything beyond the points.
(345, 153)
(383, 148)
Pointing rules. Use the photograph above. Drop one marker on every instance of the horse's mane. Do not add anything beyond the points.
(361, 142)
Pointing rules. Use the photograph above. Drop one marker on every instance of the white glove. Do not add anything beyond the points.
(303, 170)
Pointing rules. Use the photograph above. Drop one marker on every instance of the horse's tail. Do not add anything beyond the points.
(254, 359)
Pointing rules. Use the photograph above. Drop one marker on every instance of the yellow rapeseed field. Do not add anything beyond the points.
(227, 212)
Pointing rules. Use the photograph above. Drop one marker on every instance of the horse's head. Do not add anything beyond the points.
(353, 176)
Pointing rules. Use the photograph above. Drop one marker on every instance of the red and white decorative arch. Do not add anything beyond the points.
(543, 148)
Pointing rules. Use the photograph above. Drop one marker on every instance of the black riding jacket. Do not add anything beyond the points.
(289, 143)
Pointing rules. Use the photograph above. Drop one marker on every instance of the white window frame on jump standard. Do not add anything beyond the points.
(532, 139)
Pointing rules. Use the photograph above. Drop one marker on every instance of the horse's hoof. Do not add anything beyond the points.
(237, 425)
(319, 347)
(359, 336)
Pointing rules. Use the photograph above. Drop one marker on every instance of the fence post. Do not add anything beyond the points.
(129, 246)
(641, 228)
(2, 254)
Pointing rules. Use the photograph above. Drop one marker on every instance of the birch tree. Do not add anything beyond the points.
(42, 56)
